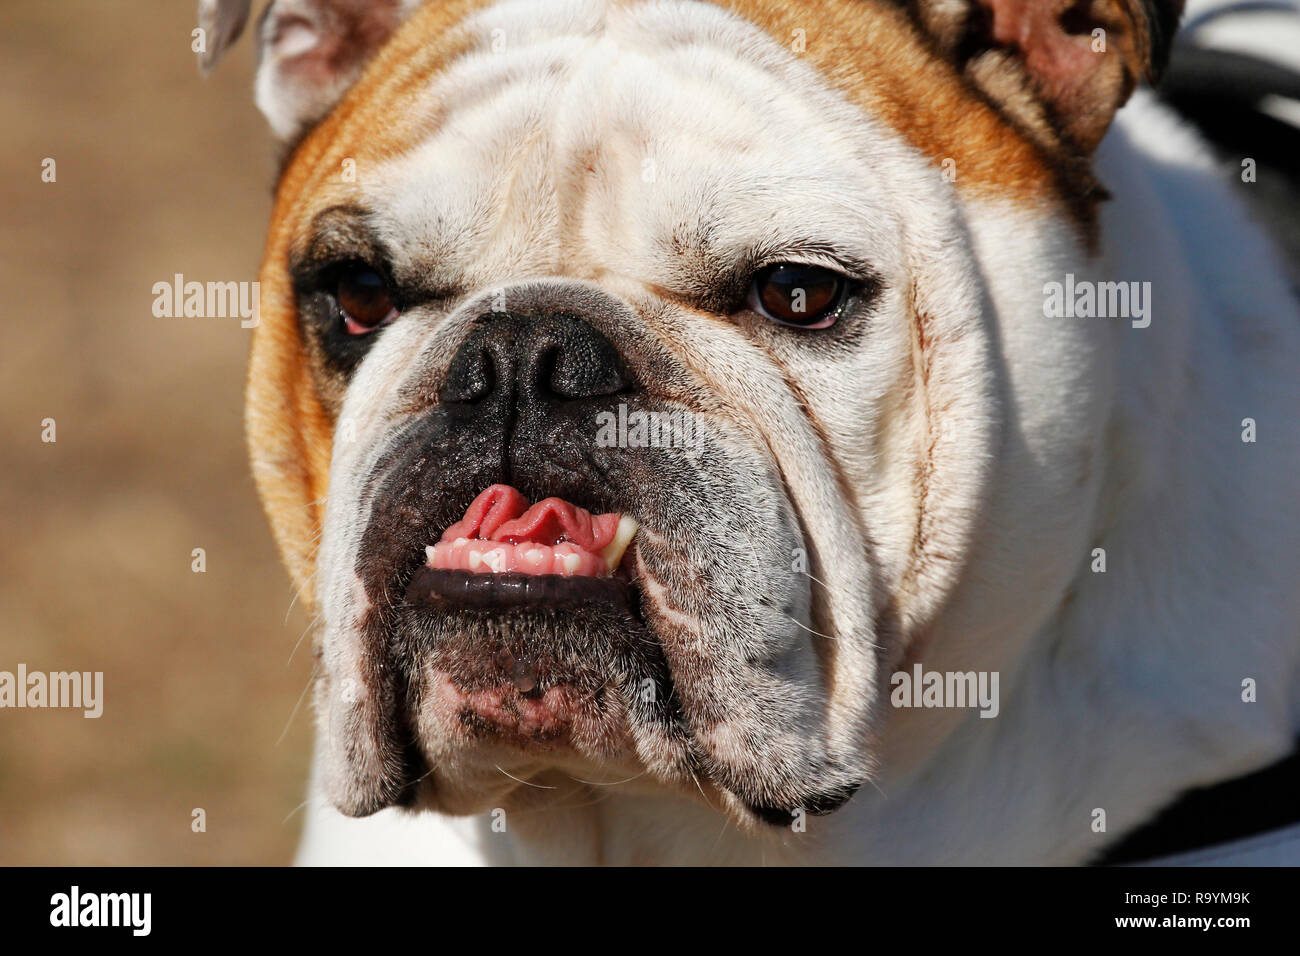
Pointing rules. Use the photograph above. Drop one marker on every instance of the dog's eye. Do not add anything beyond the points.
(804, 296)
(364, 300)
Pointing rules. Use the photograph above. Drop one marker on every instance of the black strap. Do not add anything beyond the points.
(1259, 802)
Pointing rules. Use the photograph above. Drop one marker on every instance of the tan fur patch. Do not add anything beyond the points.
(873, 54)
(290, 435)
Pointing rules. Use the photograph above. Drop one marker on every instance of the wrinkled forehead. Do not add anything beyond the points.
(627, 122)
(575, 138)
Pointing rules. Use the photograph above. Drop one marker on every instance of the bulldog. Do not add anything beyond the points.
(955, 368)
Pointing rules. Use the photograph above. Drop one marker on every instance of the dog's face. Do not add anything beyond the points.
(791, 241)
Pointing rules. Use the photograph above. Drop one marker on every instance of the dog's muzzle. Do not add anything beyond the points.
(496, 559)
(537, 597)
(526, 381)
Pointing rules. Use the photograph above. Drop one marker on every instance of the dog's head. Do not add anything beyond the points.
(759, 278)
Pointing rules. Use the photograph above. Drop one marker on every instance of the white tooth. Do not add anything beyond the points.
(572, 562)
(475, 559)
(535, 556)
(495, 559)
(460, 542)
(613, 552)
(428, 554)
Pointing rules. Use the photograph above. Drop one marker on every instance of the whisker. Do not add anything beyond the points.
(311, 680)
(293, 811)
(316, 619)
(612, 783)
(526, 783)
(819, 581)
(810, 630)
(293, 601)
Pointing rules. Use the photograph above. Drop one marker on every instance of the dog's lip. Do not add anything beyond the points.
(434, 588)
(553, 553)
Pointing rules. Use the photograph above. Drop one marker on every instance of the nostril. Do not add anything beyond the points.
(581, 363)
(547, 361)
(471, 378)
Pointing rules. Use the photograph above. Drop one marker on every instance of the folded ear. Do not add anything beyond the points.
(222, 21)
(1060, 68)
(309, 51)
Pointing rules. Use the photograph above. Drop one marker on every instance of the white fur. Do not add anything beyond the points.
(1050, 437)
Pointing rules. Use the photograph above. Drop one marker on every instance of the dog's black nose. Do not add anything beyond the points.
(523, 400)
(533, 360)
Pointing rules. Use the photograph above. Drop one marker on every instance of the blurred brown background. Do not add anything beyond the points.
(158, 172)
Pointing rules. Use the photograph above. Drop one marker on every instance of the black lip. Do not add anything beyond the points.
(817, 804)
(436, 588)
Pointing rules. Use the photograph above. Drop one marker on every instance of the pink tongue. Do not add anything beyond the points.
(501, 513)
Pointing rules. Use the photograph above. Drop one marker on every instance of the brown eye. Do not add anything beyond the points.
(805, 296)
(364, 300)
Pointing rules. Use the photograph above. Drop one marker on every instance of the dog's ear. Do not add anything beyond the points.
(1059, 68)
(222, 22)
(309, 51)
